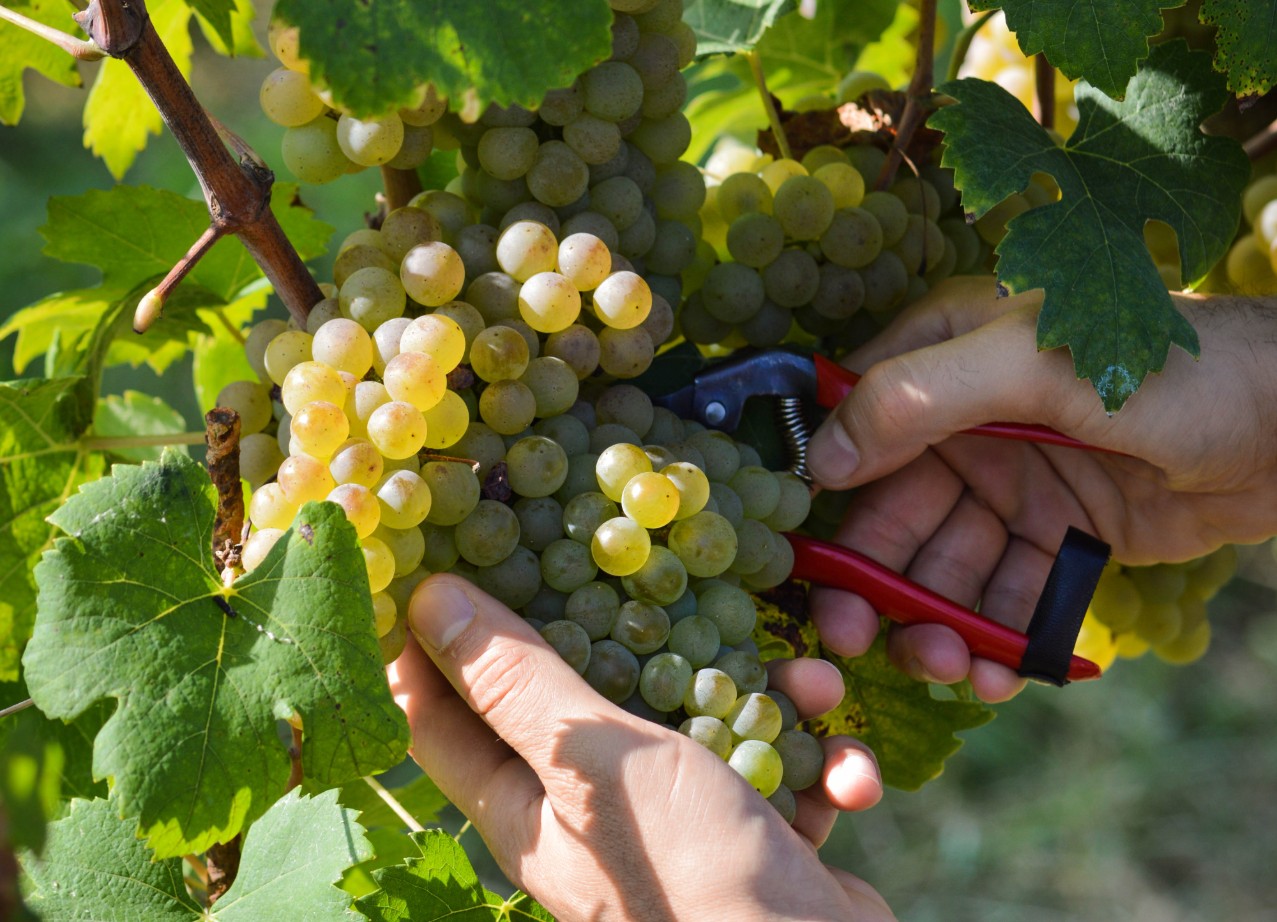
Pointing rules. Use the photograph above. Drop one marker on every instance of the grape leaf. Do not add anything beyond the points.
(133, 413)
(1101, 43)
(732, 25)
(441, 884)
(1128, 162)
(800, 57)
(1244, 43)
(119, 117)
(421, 797)
(238, 38)
(217, 13)
(95, 868)
(19, 50)
(131, 607)
(41, 463)
(373, 56)
(910, 731)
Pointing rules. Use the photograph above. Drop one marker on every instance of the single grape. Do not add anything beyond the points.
(360, 505)
(710, 732)
(712, 693)
(754, 716)
(696, 639)
(620, 546)
(570, 641)
(508, 407)
(613, 671)
(661, 580)
(536, 466)
(370, 141)
(304, 480)
(759, 764)
(257, 546)
(594, 606)
(432, 273)
(270, 507)
(259, 458)
(664, 680)
(651, 499)
(706, 543)
(397, 429)
(404, 499)
(802, 757)
(499, 353)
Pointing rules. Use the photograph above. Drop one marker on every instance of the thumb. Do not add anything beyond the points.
(916, 399)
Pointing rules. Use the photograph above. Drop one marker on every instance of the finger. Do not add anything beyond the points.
(920, 398)
(850, 781)
(505, 673)
(870, 906)
(958, 305)
(814, 685)
(847, 624)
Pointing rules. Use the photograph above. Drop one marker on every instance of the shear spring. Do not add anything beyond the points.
(795, 431)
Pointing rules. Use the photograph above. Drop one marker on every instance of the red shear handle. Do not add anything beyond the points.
(833, 383)
(906, 602)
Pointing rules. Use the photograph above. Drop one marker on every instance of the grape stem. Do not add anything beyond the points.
(1044, 91)
(962, 44)
(400, 811)
(15, 708)
(237, 193)
(917, 95)
(400, 186)
(114, 442)
(77, 48)
(769, 104)
(151, 306)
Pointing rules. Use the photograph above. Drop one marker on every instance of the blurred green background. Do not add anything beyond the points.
(1149, 796)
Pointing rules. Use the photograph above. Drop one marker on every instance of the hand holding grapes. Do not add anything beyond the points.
(600, 814)
(980, 520)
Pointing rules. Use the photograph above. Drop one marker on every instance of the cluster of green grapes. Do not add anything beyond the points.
(804, 243)
(322, 142)
(1160, 608)
(1251, 264)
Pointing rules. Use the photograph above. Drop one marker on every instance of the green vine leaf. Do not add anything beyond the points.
(1244, 43)
(441, 884)
(217, 13)
(1101, 43)
(910, 731)
(119, 118)
(373, 56)
(41, 464)
(235, 37)
(95, 868)
(732, 25)
(132, 607)
(800, 57)
(1128, 162)
(20, 50)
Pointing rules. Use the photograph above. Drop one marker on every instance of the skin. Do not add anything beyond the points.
(980, 519)
(603, 815)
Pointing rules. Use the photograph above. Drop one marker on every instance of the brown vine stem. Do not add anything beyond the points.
(918, 94)
(152, 303)
(223, 468)
(1262, 144)
(769, 104)
(1044, 91)
(400, 186)
(77, 48)
(15, 708)
(237, 193)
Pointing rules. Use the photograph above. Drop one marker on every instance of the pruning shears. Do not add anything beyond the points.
(716, 397)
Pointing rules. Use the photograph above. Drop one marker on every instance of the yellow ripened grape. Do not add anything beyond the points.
(650, 499)
(549, 302)
(844, 182)
(371, 296)
(251, 400)
(285, 42)
(319, 428)
(1096, 642)
(585, 260)
(257, 547)
(447, 421)
(616, 465)
(368, 395)
(1116, 602)
(526, 248)
(623, 300)
(437, 336)
(289, 348)
(288, 99)
(776, 172)
(620, 546)
(370, 141)
(432, 273)
(270, 508)
(397, 429)
(356, 461)
(304, 479)
(1159, 622)
(426, 112)
(692, 486)
(384, 614)
(259, 457)
(404, 498)
(258, 340)
(1130, 645)
(414, 378)
(1212, 573)
(380, 563)
(344, 345)
(360, 505)
(308, 382)
(407, 544)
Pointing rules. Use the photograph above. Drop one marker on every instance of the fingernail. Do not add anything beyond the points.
(915, 670)
(438, 613)
(831, 455)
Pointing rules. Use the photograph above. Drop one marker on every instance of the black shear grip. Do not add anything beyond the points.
(1052, 633)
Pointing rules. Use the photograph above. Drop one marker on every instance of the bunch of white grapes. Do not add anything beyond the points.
(321, 141)
(808, 244)
(474, 420)
(1251, 264)
(1161, 608)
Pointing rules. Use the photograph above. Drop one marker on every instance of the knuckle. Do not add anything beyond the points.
(498, 678)
(891, 398)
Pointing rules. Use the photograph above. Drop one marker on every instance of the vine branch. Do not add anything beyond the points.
(917, 95)
(77, 48)
(1044, 91)
(237, 193)
(15, 708)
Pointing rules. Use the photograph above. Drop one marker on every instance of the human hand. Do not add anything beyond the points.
(603, 815)
(980, 519)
